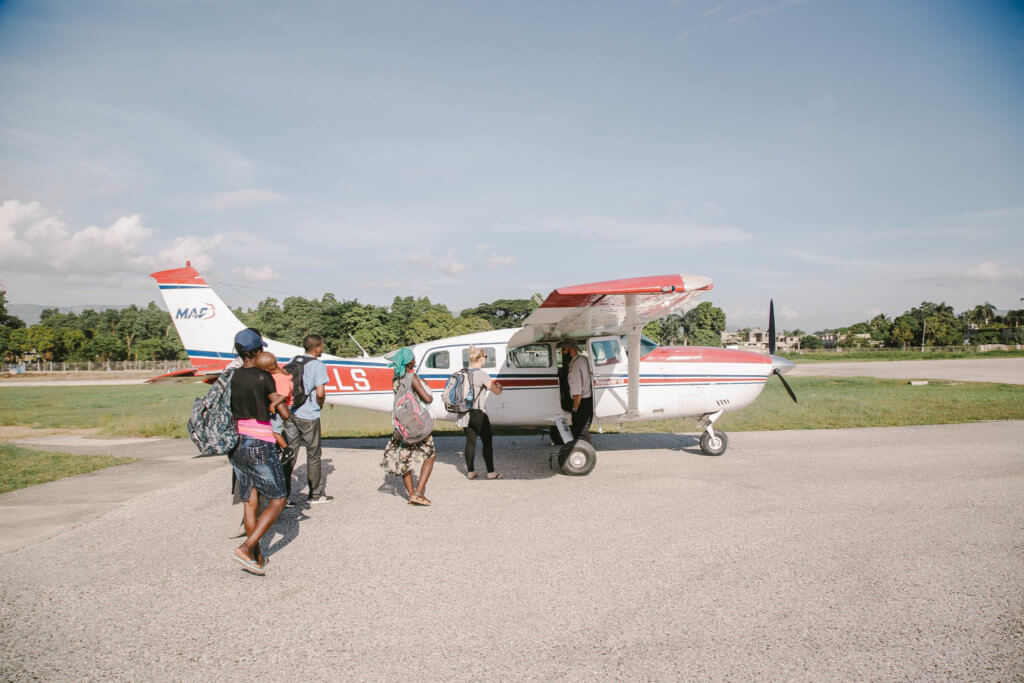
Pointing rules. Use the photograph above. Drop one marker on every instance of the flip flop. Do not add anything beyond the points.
(248, 565)
(497, 475)
(471, 475)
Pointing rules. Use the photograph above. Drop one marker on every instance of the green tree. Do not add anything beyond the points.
(8, 321)
(879, 327)
(809, 341)
(705, 316)
(905, 330)
(105, 346)
(503, 313)
(667, 331)
(704, 337)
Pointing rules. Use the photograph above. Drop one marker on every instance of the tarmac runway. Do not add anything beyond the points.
(1002, 370)
(838, 554)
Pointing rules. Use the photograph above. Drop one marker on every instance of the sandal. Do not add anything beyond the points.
(493, 475)
(248, 565)
(471, 475)
(420, 499)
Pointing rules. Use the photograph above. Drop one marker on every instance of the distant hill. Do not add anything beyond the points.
(30, 312)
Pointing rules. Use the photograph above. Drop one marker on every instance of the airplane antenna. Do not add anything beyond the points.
(365, 354)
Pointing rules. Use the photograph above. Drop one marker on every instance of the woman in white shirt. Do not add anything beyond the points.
(476, 422)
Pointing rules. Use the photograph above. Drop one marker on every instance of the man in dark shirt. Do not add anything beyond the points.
(255, 458)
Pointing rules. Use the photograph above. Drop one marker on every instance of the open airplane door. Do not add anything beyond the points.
(611, 376)
(599, 314)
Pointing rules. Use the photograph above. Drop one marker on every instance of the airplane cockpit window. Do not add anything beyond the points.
(646, 344)
(605, 352)
(490, 360)
(438, 360)
(531, 356)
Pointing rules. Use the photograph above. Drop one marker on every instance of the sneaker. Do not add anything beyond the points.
(321, 499)
(289, 504)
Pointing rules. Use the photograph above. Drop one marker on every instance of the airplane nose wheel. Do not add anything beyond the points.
(577, 458)
(714, 445)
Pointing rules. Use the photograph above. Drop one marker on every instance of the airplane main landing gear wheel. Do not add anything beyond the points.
(716, 445)
(577, 458)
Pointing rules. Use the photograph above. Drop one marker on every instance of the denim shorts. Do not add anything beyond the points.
(258, 466)
(277, 423)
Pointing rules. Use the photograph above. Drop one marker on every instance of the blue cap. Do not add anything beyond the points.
(249, 340)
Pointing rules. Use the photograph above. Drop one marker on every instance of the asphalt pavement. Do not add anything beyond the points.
(840, 554)
(1003, 370)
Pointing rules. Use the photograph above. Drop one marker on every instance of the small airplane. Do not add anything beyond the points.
(635, 379)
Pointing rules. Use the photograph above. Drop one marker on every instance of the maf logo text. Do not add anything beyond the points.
(202, 313)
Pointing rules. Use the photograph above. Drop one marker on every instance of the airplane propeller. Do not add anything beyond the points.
(779, 365)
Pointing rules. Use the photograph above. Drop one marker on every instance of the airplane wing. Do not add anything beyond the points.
(187, 375)
(606, 308)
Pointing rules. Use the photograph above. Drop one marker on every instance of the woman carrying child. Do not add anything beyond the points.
(476, 422)
(399, 457)
(255, 459)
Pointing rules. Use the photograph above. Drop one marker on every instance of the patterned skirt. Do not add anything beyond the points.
(399, 458)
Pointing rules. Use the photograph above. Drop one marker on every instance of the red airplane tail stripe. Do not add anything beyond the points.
(179, 276)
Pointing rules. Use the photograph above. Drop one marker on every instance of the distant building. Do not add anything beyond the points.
(756, 339)
(828, 338)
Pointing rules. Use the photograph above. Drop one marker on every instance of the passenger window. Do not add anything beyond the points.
(438, 360)
(605, 352)
(489, 361)
(531, 356)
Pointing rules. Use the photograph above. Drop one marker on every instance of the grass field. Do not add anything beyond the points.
(21, 467)
(824, 403)
(893, 354)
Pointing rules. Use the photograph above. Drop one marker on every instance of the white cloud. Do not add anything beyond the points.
(36, 242)
(251, 197)
(714, 10)
(985, 273)
(492, 261)
(988, 272)
(764, 10)
(264, 274)
(447, 265)
(194, 249)
(657, 235)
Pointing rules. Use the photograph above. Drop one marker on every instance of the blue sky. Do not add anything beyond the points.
(844, 158)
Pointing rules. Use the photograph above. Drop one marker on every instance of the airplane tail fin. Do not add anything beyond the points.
(206, 325)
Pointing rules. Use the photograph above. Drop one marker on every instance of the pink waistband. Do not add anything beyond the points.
(256, 429)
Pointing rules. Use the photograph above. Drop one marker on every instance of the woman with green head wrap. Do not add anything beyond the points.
(399, 457)
(400, 360)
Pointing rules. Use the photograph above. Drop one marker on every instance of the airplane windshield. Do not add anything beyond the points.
(646, 344)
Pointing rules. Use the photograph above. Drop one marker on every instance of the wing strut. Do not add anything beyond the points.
(633, 356)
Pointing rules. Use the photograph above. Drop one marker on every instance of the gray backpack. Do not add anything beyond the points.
(411, 419)
(211, 426)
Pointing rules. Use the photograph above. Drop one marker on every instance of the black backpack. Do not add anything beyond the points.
(296, 368)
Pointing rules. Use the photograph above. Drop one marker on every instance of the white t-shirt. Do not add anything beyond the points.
(479, 380)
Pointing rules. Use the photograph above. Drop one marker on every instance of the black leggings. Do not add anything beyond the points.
(479, 425)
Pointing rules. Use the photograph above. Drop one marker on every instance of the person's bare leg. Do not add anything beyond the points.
(249, 508)
(263, 524)
(407, 480)
(425, 469)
